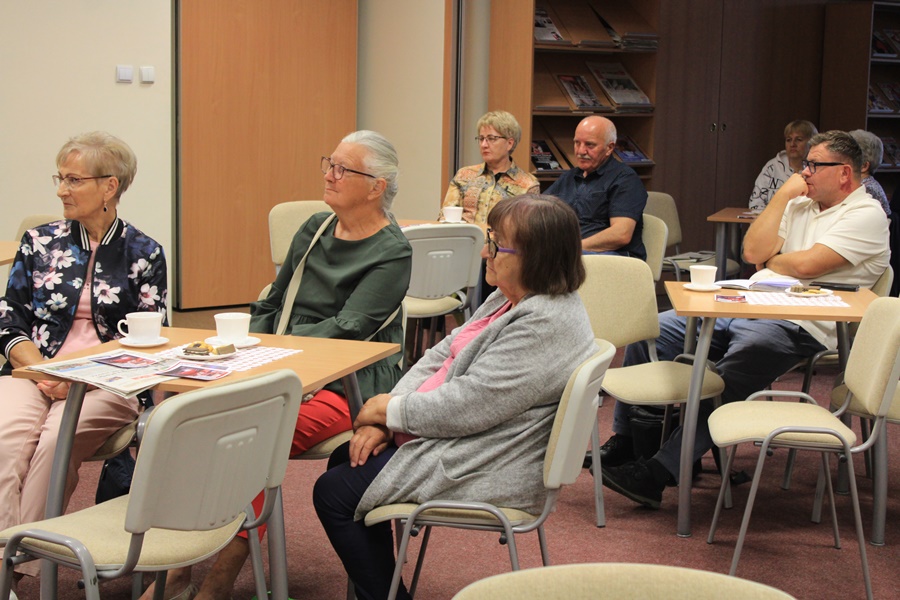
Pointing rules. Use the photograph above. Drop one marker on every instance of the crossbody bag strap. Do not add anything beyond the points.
(294, 285)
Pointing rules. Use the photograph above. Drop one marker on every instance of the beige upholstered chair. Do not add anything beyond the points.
(562, 465)
(620, 296)
(871, 380)
(284, 221)
(654, 236)
(662, 205)
(623, 581)
(205, 455)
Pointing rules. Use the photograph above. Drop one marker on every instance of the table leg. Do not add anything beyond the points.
(721, 250)
(354, 396)
(842, 485)
(59, 470)
(278, 569)
(689, 431)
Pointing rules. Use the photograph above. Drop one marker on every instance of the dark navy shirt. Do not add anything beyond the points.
(613, 190)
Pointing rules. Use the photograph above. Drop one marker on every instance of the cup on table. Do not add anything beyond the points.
(142, 327)
(232, 328)
(452, 214)
(703, 275)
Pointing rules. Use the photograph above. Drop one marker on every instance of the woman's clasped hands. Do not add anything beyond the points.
(370, 433)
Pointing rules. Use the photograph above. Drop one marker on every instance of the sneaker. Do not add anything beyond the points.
(635, 481)
(618, 450)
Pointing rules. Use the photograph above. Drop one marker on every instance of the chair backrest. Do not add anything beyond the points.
(206, 454)
(662, 206)
(874, 363)
(882, 285)
(445, 259)
(623, 581)
(574, 419)
(620, 297)
(284, 221)
(32, 221)
(654, 237)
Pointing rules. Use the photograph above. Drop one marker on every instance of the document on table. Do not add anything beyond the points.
(783, 299)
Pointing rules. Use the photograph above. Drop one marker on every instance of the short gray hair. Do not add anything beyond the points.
(380, 160)
(842, 144)
(871, 146)
(103, 154)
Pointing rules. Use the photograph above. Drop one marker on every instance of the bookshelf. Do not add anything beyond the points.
(852, 71)
(528, 84)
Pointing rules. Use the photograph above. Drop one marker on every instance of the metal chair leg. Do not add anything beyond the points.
(599, 508)
(745, 522)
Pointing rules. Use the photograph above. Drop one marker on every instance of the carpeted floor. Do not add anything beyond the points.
(783, 549)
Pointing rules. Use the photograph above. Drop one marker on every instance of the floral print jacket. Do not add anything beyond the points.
(47, 277)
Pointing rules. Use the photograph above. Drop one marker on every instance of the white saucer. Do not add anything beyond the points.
(202, 357)
(694, 287)
(246, 343)
(132, 344)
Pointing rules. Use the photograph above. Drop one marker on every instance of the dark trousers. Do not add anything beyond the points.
(367, 552)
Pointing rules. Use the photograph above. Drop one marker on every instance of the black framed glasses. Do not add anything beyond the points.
(813, 165)
(73, 182)
(490, 138)
(339, 169)
(493, 248)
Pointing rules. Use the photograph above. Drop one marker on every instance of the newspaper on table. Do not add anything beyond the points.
(125, 374)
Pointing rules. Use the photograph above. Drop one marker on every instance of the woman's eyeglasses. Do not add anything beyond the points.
(339, 169)
(493, 248)
(72, 181)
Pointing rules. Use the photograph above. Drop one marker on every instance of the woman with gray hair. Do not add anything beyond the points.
(479, 187)
(873, 151)
(344, 277)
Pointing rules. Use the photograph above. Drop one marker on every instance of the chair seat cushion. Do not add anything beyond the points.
(116, 443)
(420, 308)
(389, 512)
(857, 409)
(663, 382)
(101, 529)
(324, 448)
(752, 421)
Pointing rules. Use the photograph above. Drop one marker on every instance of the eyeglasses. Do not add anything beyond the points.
(339, 169)
(813, 165)
(73, 182)
(493, 248)
(490, 138)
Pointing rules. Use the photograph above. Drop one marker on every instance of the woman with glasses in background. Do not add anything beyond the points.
(353, 269)
(479, 187)
(71, 283)
(472, 418)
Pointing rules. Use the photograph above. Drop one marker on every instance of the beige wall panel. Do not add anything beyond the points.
(267, 87)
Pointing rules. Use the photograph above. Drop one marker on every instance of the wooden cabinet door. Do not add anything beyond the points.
(266, 87)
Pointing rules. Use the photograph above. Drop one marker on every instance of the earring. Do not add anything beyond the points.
(104, 207)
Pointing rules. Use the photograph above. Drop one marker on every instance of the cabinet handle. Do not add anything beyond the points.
(712, 127)
(724, 126)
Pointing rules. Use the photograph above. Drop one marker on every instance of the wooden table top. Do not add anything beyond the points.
(8, 249)
(734, 214)
(688, 303)
(321, 362)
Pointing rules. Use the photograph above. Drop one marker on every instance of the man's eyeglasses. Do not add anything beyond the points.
(73, 182)
(813, 165)
(493, 248)
(490, 138)
(339, 169)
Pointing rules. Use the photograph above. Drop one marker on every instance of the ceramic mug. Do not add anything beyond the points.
(142, 327)
(703, 275)
(453, 214)
(232, 328)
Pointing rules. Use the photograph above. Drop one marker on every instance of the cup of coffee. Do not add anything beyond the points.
(142, 327)
(233, 328)
(452, 214)
(703, 275)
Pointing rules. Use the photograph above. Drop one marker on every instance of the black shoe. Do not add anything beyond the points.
(635, 481)
(617, 451)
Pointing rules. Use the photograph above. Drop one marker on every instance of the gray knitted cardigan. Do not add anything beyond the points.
(484, 432)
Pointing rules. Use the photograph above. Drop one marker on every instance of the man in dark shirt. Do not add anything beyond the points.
(607, 196)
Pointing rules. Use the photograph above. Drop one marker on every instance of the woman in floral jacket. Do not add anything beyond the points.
(71, 283)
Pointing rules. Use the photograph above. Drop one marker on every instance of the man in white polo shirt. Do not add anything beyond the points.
(821, 224)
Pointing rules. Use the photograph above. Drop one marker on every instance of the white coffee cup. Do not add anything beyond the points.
(143, 327)
(233, 328)
(453, 214)
(703, 275)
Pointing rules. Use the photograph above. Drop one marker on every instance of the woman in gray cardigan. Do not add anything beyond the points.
(472, 418)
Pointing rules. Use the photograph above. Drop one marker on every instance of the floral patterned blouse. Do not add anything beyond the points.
(477, 190)
(48, 274)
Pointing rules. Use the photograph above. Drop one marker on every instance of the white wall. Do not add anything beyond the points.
(400, 93)
(57, 65)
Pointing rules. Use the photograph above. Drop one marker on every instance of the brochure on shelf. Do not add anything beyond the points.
(581, 95)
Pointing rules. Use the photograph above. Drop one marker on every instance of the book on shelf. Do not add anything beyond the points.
(546, 29)
(580, 94)
(881, 48)
(891, 156)
(547, 94)
(582, 24)
(628, 152)
(893, 38)
(627, 26)
(618, 85)
(877, 102)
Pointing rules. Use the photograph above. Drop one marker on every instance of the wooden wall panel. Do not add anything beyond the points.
(266, 88)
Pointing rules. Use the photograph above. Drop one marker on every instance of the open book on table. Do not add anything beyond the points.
(776, 283)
